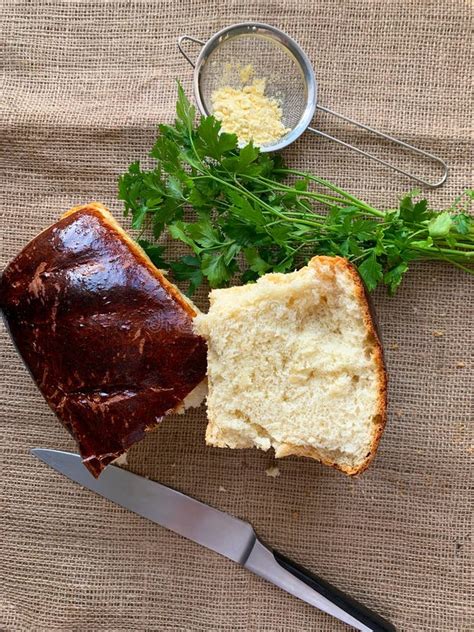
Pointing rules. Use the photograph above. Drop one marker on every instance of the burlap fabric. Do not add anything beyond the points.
(85, 85)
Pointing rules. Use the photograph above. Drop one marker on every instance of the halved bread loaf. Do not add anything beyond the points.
(107, 338)
(294, 363)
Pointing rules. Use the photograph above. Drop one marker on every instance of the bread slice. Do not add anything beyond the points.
(295, 364)
(107, 338)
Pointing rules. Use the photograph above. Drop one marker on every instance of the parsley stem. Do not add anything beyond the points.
(459, 265)
(332, 187)
(248, 194)
(460, 245)
(294, 251)
(448, 251)
(320, 197)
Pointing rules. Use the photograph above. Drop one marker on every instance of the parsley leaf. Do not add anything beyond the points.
(394, 276)
(244, 209)
(256, 263)
(185, 113)
(211, 141)
(245, 162)
(413, 212)
(155, 253)
(204, 233)
(178, 230)
(440, 225)
(216, 270)
(371, 272)
(463, 223)
(188, 268)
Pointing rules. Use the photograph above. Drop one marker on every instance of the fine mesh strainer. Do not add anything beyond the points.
(290, 80)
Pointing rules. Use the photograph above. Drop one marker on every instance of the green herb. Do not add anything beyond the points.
(241, 212)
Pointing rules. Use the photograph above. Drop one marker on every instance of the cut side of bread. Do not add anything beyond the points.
(295, 364)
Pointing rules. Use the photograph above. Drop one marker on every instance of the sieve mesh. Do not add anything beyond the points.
(270, 60)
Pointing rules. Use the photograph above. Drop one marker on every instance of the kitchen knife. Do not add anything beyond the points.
(217, 531)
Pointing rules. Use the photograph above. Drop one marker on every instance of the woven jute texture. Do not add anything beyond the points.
(84, 86)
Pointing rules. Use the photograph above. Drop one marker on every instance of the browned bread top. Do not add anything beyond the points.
(107, 339)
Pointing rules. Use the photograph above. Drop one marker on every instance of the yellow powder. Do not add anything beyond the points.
(234, 72)
(247, 112)
(246, 73)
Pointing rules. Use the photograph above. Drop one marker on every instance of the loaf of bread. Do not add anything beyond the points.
(107, 338)
(295, 364)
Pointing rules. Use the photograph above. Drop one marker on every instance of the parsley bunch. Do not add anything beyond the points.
(252, 215)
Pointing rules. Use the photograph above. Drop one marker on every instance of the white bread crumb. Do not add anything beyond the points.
(121, 460)
(295, 364)
(273, 472)
(193, 399)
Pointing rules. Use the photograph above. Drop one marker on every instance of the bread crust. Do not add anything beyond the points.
(107, 338)
(142, 258)
(380, 418)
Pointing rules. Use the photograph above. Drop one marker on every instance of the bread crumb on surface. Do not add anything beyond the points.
(121, 460)
(294, 364)
(222, 489)
(273, 472)
(393, 347)
(438, 333)
(460, 365)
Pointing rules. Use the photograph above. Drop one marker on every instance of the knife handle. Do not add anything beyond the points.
(360, 612)
(292, 578)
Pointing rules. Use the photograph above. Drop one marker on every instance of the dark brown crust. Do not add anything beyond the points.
(380, 417)
(95, 208)
(107, 338)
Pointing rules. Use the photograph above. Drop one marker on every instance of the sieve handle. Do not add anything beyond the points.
(189, 38)
(399, 142)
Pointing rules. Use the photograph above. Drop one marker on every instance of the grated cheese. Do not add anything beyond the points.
(248, 112)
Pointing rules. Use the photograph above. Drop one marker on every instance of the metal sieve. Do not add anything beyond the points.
(290, 80)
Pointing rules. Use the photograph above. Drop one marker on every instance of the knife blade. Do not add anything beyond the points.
(216, 530)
